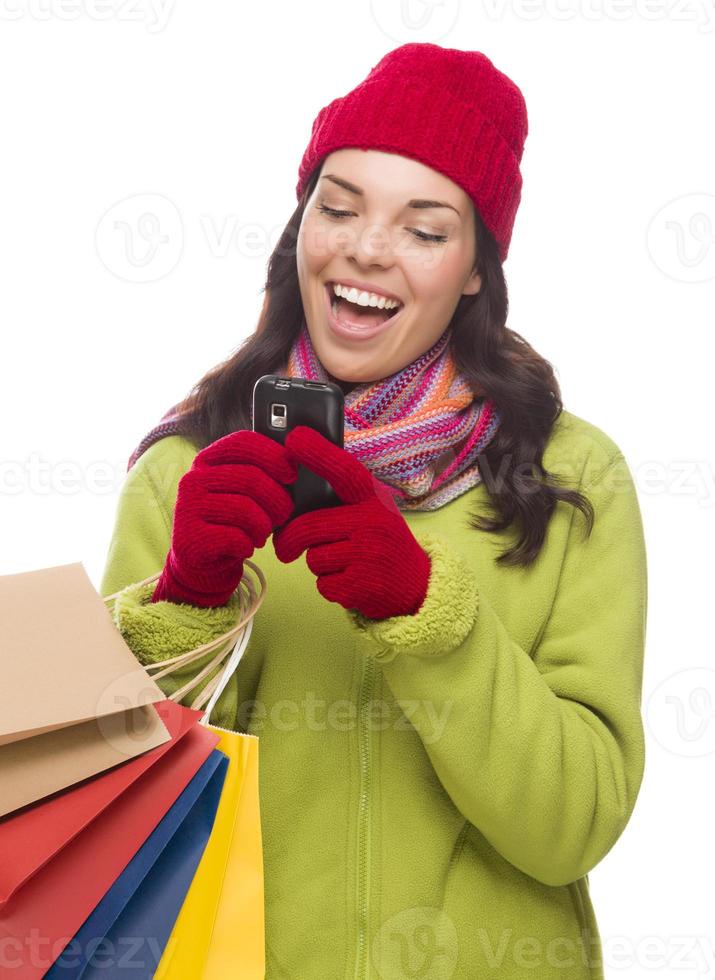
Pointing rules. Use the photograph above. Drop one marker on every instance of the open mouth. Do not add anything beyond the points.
(353, 315)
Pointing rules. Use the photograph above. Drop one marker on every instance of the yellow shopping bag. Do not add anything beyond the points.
(220, 930)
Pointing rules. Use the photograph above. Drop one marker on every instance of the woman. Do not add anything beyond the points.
(448, 704)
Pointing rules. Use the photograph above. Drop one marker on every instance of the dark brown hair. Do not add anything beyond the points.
(497, 361)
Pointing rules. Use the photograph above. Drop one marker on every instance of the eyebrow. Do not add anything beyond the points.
(419, 203)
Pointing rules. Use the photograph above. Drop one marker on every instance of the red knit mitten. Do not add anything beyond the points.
(227, 505)
(363, 552)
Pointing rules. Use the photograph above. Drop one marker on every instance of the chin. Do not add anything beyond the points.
(335, 367)
(345, 377)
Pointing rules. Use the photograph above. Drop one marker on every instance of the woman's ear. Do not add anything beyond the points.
(473, 284)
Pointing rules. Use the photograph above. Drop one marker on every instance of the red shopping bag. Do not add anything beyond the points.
(32, 836)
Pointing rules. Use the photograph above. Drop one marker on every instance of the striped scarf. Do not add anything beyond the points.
(419, 430)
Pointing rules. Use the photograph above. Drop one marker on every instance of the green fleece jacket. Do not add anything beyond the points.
(434, 788)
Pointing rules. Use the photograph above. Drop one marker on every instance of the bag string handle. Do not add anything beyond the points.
(250, 601)
(231, 665)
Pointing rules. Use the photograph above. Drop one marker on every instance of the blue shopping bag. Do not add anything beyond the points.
(126, 933)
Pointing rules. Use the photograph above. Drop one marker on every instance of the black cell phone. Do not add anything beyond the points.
(279, 405)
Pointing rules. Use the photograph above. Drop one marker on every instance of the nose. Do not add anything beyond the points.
(370, 245)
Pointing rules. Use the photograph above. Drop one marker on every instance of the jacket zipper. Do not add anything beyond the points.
(363, 840)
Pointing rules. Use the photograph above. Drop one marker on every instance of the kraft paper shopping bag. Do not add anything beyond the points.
(74, 700)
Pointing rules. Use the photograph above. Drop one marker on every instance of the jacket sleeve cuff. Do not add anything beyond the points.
(158, 630)
(442, 622)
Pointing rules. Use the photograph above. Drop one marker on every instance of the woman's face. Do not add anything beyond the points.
(379, 245)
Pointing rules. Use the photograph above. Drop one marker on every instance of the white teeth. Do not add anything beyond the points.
(364, 298)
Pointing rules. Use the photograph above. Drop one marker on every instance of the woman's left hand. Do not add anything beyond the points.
(362, 551)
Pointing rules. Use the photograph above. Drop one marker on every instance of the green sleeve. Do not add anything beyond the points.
(141, 536)
(543, 753)
(140, 541)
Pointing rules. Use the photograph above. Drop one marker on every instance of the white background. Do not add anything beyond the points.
(206, 109)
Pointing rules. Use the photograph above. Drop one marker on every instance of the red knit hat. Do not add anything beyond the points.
(451, 110)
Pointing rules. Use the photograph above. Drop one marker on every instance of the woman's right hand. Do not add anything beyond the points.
(227, 504)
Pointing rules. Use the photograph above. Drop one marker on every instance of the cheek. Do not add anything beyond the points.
(436, 278)
(314, 244)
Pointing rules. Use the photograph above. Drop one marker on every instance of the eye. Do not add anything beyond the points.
(425, 237)
(332, 212)
(422, 236)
